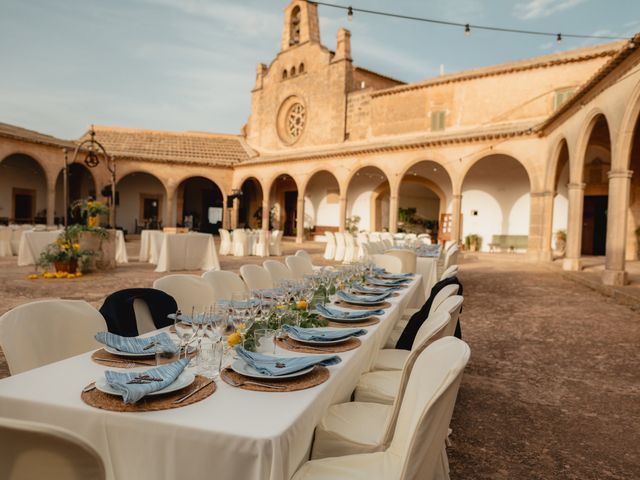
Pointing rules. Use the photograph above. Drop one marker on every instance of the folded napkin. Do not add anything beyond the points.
(429, 251)
(132, 392)
(378, 270)
(184, 318)
(350, 297)
(270, 365)
(363, 288)
(394, 276)
(137, 344)
(385, 282)
(344, 315)
(321, 334)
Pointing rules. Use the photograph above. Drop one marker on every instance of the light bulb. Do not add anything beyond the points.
(467, 30)
(350, 14)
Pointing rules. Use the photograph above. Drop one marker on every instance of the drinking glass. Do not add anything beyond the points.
(265, 340)
(183, 331)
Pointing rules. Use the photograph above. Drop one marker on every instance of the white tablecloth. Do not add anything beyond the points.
(428, 268)
(33, 243)
(150, 245)
(234, 434)
(121, 248)
(187, 251)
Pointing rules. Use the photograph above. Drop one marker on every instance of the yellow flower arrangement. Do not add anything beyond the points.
(234, 339)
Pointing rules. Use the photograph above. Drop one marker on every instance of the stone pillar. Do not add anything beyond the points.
(235, 211)
(300, 219)
(51, 203)
(546, 252)
(169, 206)
(574, 227)
(343, 214)
(456, 208)
(619, 184)
(225, 213)
(265, 214)
(537, 224)
(393, 210)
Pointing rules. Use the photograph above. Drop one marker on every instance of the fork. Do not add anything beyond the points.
(235, 383)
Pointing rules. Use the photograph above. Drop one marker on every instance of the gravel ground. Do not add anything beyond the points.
(552, 387)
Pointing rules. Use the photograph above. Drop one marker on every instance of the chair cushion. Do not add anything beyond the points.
(391, 359)
(378, 387)
(366, 466)
(350, 428)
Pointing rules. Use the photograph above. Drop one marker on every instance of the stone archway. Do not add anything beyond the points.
(23, 190)
(322, 202)
(363, 202)
(140, 202)
(283, 202)
(81, 185)
(250, 204)
(200, 204)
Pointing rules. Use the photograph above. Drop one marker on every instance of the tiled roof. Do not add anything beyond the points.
(19, 133)
(181, 147)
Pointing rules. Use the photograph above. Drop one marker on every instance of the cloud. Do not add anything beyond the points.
(543, 8)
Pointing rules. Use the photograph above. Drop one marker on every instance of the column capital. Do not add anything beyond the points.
(620, 174)
(457, 196)
(546, 193)
(576, 186)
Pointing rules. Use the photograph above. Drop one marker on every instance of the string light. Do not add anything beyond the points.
(467, 30)
(466, 26)
(559, 39)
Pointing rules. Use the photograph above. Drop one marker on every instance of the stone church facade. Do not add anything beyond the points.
(512, 152)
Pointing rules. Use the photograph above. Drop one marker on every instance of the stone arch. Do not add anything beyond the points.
(23, 195)
(321, 205)
(477, 157)
(437, 159)
(283, 201)
(82, 184)
(250, 209)
(374, 211)
(346, 181)
(582, 143)
(199, 203)
(628, 124)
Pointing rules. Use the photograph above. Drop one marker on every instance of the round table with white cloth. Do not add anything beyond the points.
(188, 251)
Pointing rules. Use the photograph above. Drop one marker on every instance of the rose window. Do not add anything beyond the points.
(295, 120)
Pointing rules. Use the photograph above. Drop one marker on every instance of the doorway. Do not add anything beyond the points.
(24, 205)
(290, 212)
(594, 225)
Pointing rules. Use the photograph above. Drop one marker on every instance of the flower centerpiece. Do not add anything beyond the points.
(65, 254)
(91, 210)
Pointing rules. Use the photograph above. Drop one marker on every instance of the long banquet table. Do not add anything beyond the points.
(233, 434)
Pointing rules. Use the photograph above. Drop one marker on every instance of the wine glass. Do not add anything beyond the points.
(183, 331)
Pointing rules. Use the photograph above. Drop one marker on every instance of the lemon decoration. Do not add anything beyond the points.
(234, 339)
(302, 305)
(32, 277)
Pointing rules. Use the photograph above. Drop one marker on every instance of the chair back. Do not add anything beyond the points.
(340, 247)
(453, 305)
(407, 257)
(240, 243)
(224, 284)
(330, 249)
(37, 450)
(389, 263)
(45, 331)
(451, 258)
(278, 271)
(432, 329)
(256, 277)
(225, 241)
(189, 291)
(442, 295)
(134, 311)
(350, 251)
(275, 244)
(450, 272)
(427, 407)
(299, 266)
(304, 254)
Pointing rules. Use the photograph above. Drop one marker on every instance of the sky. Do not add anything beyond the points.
(190, 64)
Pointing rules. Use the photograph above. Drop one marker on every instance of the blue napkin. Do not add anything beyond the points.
(429, 251)
(137, 344)
(321, 334)
(363, 288)
(184, 318)
(395, 276)
(344, 315)
(378, 270)
(132, 392)
(385, 283)
(350, 297)
(270, 365)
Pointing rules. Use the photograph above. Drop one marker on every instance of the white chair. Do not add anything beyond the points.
(5, 242)
(340, 247)
(240, 243)
(45, 331)
(382, 386)
(256, 277)
(189, 291)
(349, 248)
(37, 451)
(299, 266)
(225, 242)
(330, 249)
(275, 243)
(278, 271)
(304, 254)
(262, 244)
(407, 257)
(389, 263)
(16, 237)
(425, 238)
(416, 447)
(451, 257)
(450, 272)
(224, 284)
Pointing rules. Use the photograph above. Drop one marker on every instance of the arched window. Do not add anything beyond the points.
(293, 71)
(301, 68)
(294, 26)
(284, 74)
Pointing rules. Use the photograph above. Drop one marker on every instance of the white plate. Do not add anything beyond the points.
(345, 320)
(365, 292)
(241, 367)
(363, 304)
(115, 351)
(317, 342)
(184, 380)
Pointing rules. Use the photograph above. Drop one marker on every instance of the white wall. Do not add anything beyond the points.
(426, 203)
(129, 190)
(316, 209)
(359, 197)
(498, 188)
(21, 171)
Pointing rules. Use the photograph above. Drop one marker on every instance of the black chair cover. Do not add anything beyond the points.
(118, 311)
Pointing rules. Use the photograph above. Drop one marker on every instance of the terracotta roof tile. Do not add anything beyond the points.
(19, 133)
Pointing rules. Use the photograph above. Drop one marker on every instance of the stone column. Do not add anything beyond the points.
(537, 218)
(235, 211)
(225, 213)
(619, 184)
(265, 214)
(343, 214)
(456, 229)
(300, 219)
(574, 227)
(51, 203)
(546, 252)
(393, 210)
(169, 206)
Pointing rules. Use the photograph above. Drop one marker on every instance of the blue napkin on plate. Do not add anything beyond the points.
(132, 392)
(271, 365)
(350, 297)
(395, 276)
(378, 270)
(184, 318)
(344, 315)
(137, 344)
(429, 251)
(385, 282)
(363, 288)
(321, 334)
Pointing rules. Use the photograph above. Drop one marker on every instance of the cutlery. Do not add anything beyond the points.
(89, 387)
(235, 383)
(151, 345)
(127, 362)
(190, 394)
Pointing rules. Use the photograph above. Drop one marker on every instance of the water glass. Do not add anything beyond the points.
(265, 340)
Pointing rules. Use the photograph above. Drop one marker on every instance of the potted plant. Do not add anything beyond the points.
(352, 224)
(91, 210)
(561, 240)
(65, 253)
(473, 242)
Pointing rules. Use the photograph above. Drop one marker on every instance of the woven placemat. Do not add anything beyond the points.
(315, 377)
(363, 323)
(341, 303)
(104, 401)
(107, 359)
(399, 285)
(289, 343)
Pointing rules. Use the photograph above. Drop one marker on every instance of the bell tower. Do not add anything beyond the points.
(301, 24)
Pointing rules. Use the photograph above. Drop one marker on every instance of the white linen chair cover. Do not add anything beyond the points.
(450, 272)
(389, 263)
(387, 238)
(240, 243)
(262, 244)
(275, 243)
(299, 266)
(38, 451)
(374, 237)
(364, 254)
(224, 284)
(425, 238)
(451, 258)
(350, 251)
(225, 241)
(278, 271)
(189, 291)
(16, 237)
(415, 450)
(304, 254)
(387, 244)
(442, 295)
(453, 305)
(340, 247)
(144, 319)
(407, 257)
(5, 242)
(256, 277)
(330, 248)
(45, 331)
